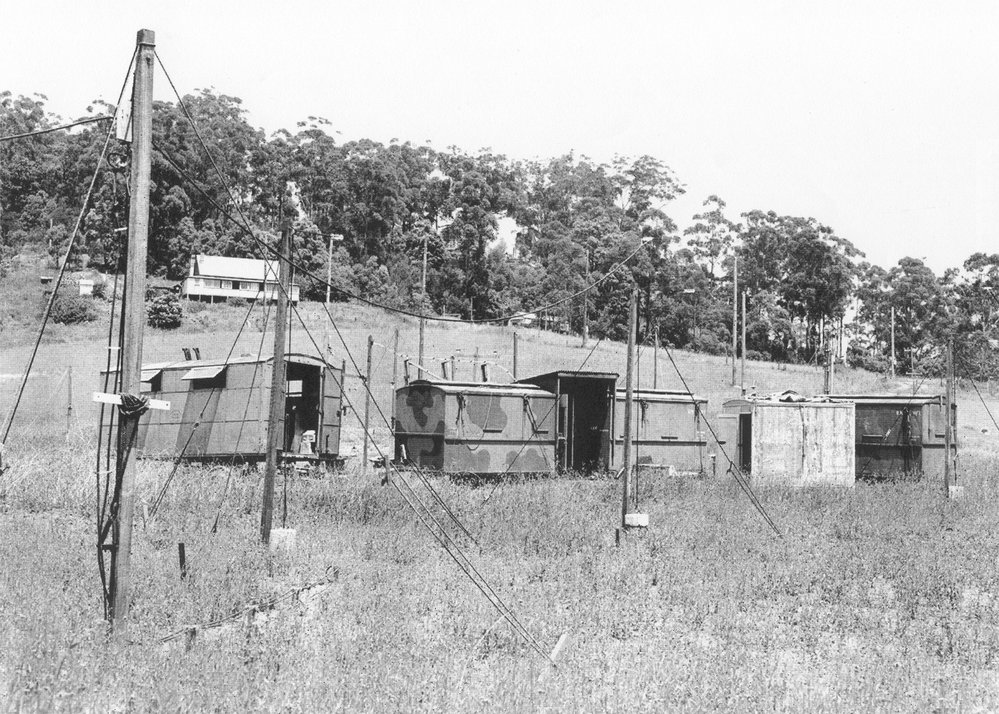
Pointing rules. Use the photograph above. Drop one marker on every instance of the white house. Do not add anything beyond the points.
(213, 277)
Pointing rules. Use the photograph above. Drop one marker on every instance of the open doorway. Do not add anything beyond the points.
(302, 407)
(745, 442)
(586, 404)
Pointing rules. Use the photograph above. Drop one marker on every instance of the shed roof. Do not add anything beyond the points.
(894, 400)
(664, 395)
(483, 388)
(218, 266)
(749, 403)
(154, 368)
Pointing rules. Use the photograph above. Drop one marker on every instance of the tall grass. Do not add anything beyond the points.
(882, 597)
(877, 597)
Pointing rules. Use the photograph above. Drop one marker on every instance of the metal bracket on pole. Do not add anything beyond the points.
(105, 398)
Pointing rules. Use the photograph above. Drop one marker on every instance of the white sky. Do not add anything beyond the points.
(879, 119)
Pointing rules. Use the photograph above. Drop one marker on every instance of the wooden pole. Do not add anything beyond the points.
(395, 373)
(275, 420)
(133, 320)
(367, 404)
(586, 305)
(735, 316)
(423, 299)
(891, 359)
(629, 396)
(69, 401)
(514, 354)
(475, 364)
(948, 433)
(329, 270)
(742, 383)
(655, 360)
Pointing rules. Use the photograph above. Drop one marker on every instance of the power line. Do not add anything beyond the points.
(735, 470)
(51, 129)
(399, 311)
(319, 279)
(56, 284)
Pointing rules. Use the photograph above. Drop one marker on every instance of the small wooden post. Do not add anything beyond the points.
(367, 403)
(69, 401)
(444, 369)
(475, 363)
(134, 319)
(275, 419)
(454, 368)
(182, 557)
(628, 400)
(485, 372)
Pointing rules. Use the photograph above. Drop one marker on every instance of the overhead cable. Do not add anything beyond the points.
(49, 130)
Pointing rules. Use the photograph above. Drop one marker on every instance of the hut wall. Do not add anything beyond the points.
(885, 444)
(441, 427)
(218, 414)
(803, 444)
(666, 433)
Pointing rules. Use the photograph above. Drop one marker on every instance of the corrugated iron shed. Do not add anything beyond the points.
(219, 409)
(900, 433)
(667, 429)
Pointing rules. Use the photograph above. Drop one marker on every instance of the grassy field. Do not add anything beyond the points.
(882, 597)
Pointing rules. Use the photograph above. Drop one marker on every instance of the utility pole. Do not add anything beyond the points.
(949, 477)
(367, 404)
(514, 354)
(329, 269)
(629, 396)
(742, 383)
(275, 421)
(133, 320)
(655, 360)
(423, 298)
(329, 264)
(586, 305)
(891, 360)
(735, 315)
(395, 373)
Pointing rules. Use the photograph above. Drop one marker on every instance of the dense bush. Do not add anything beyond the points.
(164, 311)
(71, 309)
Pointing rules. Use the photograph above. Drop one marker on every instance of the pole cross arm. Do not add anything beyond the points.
(105, 398)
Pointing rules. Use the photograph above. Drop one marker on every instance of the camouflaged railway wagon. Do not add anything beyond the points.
(219, 410)
(472, 427)
(667, 430)
(901, 433)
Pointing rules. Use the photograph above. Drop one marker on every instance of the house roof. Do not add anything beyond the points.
(217, 266)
